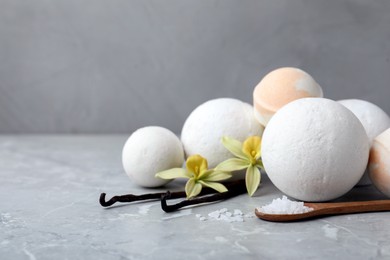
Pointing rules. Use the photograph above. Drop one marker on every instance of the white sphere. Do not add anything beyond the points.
(148, 151)
(203, 130)
(373, 119)
(379, 164)
(314, 149)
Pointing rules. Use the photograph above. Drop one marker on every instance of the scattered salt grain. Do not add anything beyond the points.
(237, 212)
(249, 215)
(225, 215)
(284, 206)
(214, 214)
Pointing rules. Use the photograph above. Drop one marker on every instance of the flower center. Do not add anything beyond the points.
(196, 170)
(253, 161)
(196, 164)
(251, 147)
(253, 153)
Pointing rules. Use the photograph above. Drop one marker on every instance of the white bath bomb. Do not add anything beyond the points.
(373, 119)
(314, 149)
(379, 162)
(148, 151)
(205, 126)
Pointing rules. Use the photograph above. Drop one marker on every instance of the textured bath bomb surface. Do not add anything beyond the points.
(314, 149)
(203, 130)
(379, 162)
(150, 150)
(278, 88)
(373, 119)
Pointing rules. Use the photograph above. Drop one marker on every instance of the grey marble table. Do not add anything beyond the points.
(49, 209)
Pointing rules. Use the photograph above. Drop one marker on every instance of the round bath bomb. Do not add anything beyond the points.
(203, 130)
(373, 119)
(314, 149)
(379, 162)
(278, 88)
(148, 151)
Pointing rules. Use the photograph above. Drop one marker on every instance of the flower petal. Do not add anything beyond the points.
(204, 174)
(252, 179)
(233, 164)
(252, 147)
(173, 174)
(196, 164)
(193, 188)
(217, 176)
(234, 146)
(214, 185)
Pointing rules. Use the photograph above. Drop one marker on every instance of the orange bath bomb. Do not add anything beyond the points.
(379, 162)
(279, 87)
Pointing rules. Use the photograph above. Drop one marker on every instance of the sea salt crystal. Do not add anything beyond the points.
(224, 215)
(214, 214)
(284, 206)
(249, 215)
(224, 210)
(237, 212)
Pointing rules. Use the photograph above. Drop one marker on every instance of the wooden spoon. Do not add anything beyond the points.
(326, 209)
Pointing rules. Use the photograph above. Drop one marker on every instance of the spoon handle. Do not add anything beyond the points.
(350, 207)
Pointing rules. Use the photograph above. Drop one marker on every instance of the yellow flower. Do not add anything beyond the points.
(248, 157)
(198, 174)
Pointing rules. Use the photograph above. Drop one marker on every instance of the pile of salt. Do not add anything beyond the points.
(284, 206)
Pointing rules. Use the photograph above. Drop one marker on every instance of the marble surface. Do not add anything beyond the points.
(49, 209)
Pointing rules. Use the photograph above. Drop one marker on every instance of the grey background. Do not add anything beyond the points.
(98, 66)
